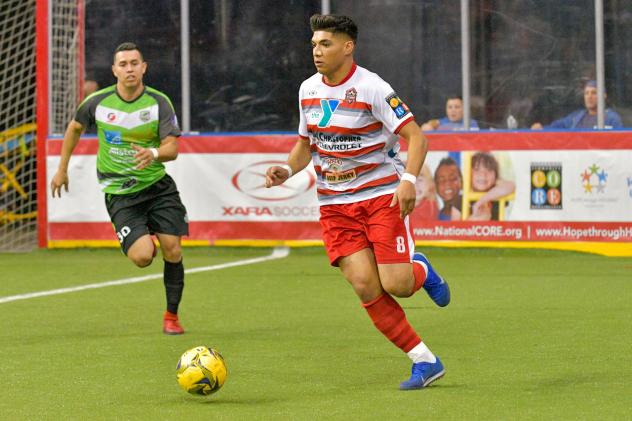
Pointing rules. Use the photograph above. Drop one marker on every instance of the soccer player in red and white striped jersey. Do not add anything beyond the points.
(350, 124)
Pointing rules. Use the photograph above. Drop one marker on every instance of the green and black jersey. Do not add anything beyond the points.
(144, 122)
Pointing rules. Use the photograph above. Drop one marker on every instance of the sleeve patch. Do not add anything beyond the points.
(397, 105)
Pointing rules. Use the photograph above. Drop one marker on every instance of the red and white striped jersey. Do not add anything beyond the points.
(352, 128)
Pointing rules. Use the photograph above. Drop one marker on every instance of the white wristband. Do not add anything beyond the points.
(288, 169)
(408, 177)
(154, 152)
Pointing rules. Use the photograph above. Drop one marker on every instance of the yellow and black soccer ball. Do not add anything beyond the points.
(201, 371)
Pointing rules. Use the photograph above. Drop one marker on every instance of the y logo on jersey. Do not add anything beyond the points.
(329, 107)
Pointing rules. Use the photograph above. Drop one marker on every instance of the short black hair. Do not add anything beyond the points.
(335, 24)
(127, 46)
(448, 161)
(454, 96)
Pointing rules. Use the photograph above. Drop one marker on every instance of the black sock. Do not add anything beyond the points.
(174, 284)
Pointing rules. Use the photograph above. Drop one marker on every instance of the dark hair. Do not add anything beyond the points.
(335, 24)
(447, 162)
(486, 160)
(126, 46)
(455, 96)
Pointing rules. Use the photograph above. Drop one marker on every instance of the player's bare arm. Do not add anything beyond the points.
(417, 149)
(168, 151)
(71, 138)
(298, 159)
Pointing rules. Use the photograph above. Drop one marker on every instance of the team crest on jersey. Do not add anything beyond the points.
(111, 117)
(329, 107)
(350, 95)
(144, 115)
(397, 105)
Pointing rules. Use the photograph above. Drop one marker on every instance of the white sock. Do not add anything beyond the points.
(421, 353)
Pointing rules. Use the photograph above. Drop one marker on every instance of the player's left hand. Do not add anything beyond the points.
(276, 175)
(143, 156)
(405, 196)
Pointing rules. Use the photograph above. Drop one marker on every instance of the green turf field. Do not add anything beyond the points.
(528, 335)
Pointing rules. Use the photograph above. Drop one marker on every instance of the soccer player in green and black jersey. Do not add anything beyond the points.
(138, 131)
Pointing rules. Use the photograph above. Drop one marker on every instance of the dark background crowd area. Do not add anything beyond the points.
(529, 58)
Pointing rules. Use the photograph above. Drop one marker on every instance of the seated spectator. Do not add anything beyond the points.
(453, 119)
(585, 118)
(449, 182)
(89, 87)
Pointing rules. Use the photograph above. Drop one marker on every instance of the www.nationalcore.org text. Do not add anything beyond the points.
(528, 231)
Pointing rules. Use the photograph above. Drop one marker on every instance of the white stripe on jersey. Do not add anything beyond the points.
(128, 121)
(352, 128)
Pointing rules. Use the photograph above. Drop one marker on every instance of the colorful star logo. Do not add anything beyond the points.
(603, 177)
(593, 179)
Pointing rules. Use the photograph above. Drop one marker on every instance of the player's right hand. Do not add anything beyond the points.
(276, 175)
(59, 179)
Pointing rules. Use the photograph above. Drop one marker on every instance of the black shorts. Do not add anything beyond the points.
(156, 209)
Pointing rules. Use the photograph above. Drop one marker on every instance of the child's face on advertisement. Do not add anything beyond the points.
(448, 182)
(483, 178)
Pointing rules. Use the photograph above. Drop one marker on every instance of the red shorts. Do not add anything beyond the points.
(371, 223)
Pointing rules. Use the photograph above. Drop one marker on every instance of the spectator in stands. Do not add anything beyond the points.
(585, 118)
(449, 182)
(89, 87)
(453, 119)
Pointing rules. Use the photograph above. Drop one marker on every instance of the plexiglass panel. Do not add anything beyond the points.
(530, 59)
(413, 45)
(248, 57)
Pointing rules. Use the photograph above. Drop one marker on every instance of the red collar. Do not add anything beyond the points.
(346, 78)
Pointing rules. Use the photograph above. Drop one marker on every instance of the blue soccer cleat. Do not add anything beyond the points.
(423, 374)
(434, 285)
